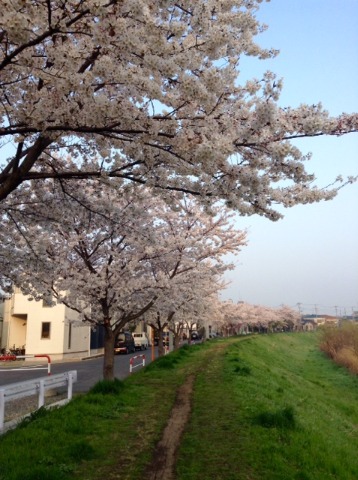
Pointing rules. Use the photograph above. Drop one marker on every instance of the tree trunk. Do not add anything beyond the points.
(159, 329)
(176, 341)
(108, 359)
(160, 343)
(190, 331)
(177, 332)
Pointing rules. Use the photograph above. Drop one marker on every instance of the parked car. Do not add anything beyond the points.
(156, 339)
(213, 335)
(141, 341)
(195, 336)
(165, 339)
(124, 343)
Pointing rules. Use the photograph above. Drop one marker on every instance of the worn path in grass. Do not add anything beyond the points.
(162, 466)
(164, 458)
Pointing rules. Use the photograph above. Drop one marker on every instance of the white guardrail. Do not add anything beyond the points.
(132, 365)
(37, 386)
(10, 358)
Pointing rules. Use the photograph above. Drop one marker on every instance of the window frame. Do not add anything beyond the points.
(45, 331)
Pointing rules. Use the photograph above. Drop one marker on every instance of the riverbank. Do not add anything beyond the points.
(264, 407)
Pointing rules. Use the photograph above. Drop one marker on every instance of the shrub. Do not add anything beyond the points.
(39, 413)
(166, 362)
(108, 387)
(81, 450)
(242, 370)
(347, 357)
(284, 418)
(341, 344)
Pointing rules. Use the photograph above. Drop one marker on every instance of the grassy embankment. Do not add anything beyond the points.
(264, 408)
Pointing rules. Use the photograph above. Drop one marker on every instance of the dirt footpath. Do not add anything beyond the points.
(164, 457)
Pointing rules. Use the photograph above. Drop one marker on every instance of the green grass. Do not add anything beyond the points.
(292, 415)
(112, 429)
(264, 407)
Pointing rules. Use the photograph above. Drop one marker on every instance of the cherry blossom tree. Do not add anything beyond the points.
(177, 330)
(197, 245)
(198, 308)
(290, 318)
(230, 320)
(196, 239)
(159, 320)
(92, 256)
(150, 91)
(265, 319)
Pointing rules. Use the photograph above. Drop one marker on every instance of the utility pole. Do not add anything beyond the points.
(300, 314)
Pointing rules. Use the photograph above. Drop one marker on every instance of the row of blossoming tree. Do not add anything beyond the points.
(113, 258)
(243, 318)
(112, 112)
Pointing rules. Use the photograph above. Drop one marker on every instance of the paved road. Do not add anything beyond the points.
(89, 371)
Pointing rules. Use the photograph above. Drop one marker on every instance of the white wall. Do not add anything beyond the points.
(27, 328)
(77, 336)
(36, 316)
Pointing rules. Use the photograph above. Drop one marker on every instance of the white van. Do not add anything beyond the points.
(141, 341)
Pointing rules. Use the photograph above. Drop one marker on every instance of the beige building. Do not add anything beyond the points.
(312, 322)
(39, 328)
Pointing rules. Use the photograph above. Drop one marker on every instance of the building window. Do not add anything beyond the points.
(46, 329)
(47, 301)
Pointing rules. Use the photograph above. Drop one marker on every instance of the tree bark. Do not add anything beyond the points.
(177, 331)
(18, 173)
(176, 341)
(108, 359)
(160, 342)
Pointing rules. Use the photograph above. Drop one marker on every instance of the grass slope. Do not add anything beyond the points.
(264, 407)
(109, 433)
(272, 407)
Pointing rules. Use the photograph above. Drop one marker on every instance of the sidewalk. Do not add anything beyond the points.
(31, 361)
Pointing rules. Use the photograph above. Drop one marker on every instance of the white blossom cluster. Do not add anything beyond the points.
(149, 91)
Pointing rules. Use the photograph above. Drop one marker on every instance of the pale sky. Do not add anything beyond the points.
(311, 256)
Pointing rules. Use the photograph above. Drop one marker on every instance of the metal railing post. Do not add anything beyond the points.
(132, 366)
(70, 386)
(41, 393)
(2, 408)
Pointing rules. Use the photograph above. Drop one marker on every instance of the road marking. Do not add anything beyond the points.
(33, 367)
